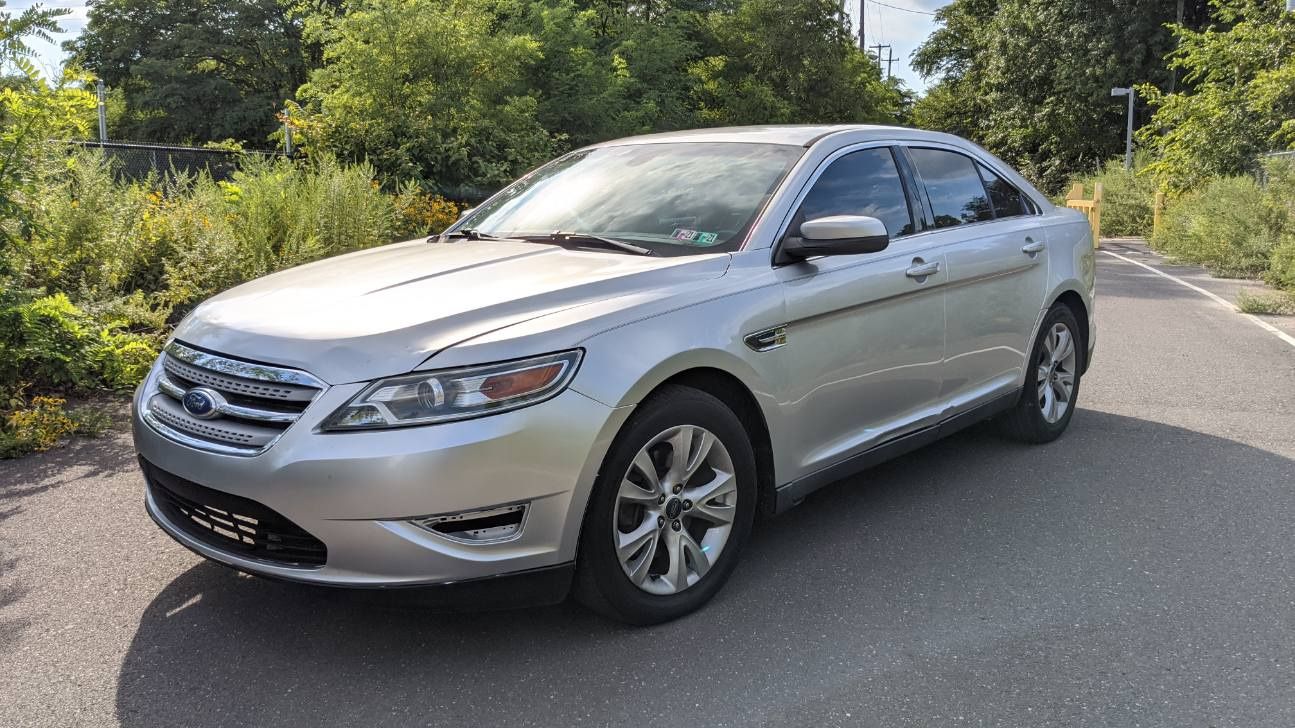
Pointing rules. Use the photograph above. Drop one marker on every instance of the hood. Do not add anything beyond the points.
(385, 310)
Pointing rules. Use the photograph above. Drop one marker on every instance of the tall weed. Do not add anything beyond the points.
(1237, 226)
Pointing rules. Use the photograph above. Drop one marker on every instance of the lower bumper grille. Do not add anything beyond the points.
(231, 523)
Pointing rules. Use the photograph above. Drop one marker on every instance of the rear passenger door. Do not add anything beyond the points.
(997, 267)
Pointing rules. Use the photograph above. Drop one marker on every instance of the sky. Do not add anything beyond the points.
(893, 22)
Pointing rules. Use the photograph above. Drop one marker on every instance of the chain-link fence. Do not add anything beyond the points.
(136, 161)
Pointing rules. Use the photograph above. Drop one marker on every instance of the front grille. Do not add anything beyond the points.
(231, 523)
(252, 404)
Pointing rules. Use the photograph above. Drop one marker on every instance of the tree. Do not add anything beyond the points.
(605, 71)
(31, 113)
(1031, 79)
(425, 90)
(788, 61)
(195, 70)
(1239, 98)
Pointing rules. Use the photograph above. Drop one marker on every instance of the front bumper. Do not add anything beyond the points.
(359, 492)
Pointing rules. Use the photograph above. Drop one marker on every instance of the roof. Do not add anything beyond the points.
(797, 134)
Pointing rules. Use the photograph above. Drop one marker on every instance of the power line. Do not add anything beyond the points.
(896, 7)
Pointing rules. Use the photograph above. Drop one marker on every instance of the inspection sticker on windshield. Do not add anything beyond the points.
(696, 237)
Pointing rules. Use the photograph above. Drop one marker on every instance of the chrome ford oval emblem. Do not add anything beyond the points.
(202, 403)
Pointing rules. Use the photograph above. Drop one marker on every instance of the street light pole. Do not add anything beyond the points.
(1128, 133)
(103, 112)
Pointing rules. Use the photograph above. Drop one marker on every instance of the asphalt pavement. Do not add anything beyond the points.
(1137, 572)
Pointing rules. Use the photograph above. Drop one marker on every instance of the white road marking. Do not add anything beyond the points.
(1212, 296)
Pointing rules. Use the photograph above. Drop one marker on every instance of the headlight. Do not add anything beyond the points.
(425, 398)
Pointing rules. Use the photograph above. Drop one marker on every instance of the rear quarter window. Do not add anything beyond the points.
(1006, 199)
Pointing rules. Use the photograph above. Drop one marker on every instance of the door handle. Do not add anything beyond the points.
(922, 270)
(1032, 247)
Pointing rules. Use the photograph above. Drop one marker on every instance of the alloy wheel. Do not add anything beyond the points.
(674, 509)
(1055, 372)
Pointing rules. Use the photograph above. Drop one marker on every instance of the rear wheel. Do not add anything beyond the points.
(1051, 381)
(670, 511)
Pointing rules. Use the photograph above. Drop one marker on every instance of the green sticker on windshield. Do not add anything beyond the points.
(696, 237)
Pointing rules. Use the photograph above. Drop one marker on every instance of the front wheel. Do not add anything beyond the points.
(1051, 380)
(670, 511)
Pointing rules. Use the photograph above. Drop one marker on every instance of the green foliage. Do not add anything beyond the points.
(32, 112)
(34, 22)
(784, 62)
(419, 213)
(1031, 79)
(110, 265)
(1236, 227)
(44, 340)
(192, 70)
(1128, 198)
(606, 70)
(1238, 100)
(424, 89)
(468, 94)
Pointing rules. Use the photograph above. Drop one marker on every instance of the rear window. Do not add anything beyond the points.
(953, 185)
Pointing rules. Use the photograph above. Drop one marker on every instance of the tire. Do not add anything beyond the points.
(671, 571)
(1030, 420)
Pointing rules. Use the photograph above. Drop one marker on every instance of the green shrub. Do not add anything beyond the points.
(419, 213)
(34, 427)
(90, 289)
(1222, 226)
(122, 358)
(1281, 266)
(87, 241)
(45, 341)
(1236, 226)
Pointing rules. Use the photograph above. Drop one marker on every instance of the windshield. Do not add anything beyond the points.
(672, 198)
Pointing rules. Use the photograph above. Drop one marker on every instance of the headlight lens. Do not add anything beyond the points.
(425, 398)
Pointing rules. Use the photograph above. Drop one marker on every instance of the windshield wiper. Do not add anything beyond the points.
(468, 234)
(587, 240)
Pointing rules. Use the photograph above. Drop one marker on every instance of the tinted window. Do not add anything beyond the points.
(1008, 201)
(952, 183)
(865, 182)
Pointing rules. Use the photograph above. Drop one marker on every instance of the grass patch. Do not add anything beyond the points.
(1274, 303)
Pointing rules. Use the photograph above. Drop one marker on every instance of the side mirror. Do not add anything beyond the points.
(836, 235)
(465, 212)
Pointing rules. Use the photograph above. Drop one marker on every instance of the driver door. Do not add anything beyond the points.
(865, 333)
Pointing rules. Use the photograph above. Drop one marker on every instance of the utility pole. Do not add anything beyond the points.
(863, 7)
(103, 112)
(1128, 134)
(889, 59)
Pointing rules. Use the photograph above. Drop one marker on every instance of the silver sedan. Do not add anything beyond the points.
(596, 379)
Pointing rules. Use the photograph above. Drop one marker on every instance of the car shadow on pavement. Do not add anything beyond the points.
(1125, 534)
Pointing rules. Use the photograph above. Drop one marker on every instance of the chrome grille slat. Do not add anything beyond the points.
(257, 414)
(237, 385)
(254, 403)
(224, 430)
